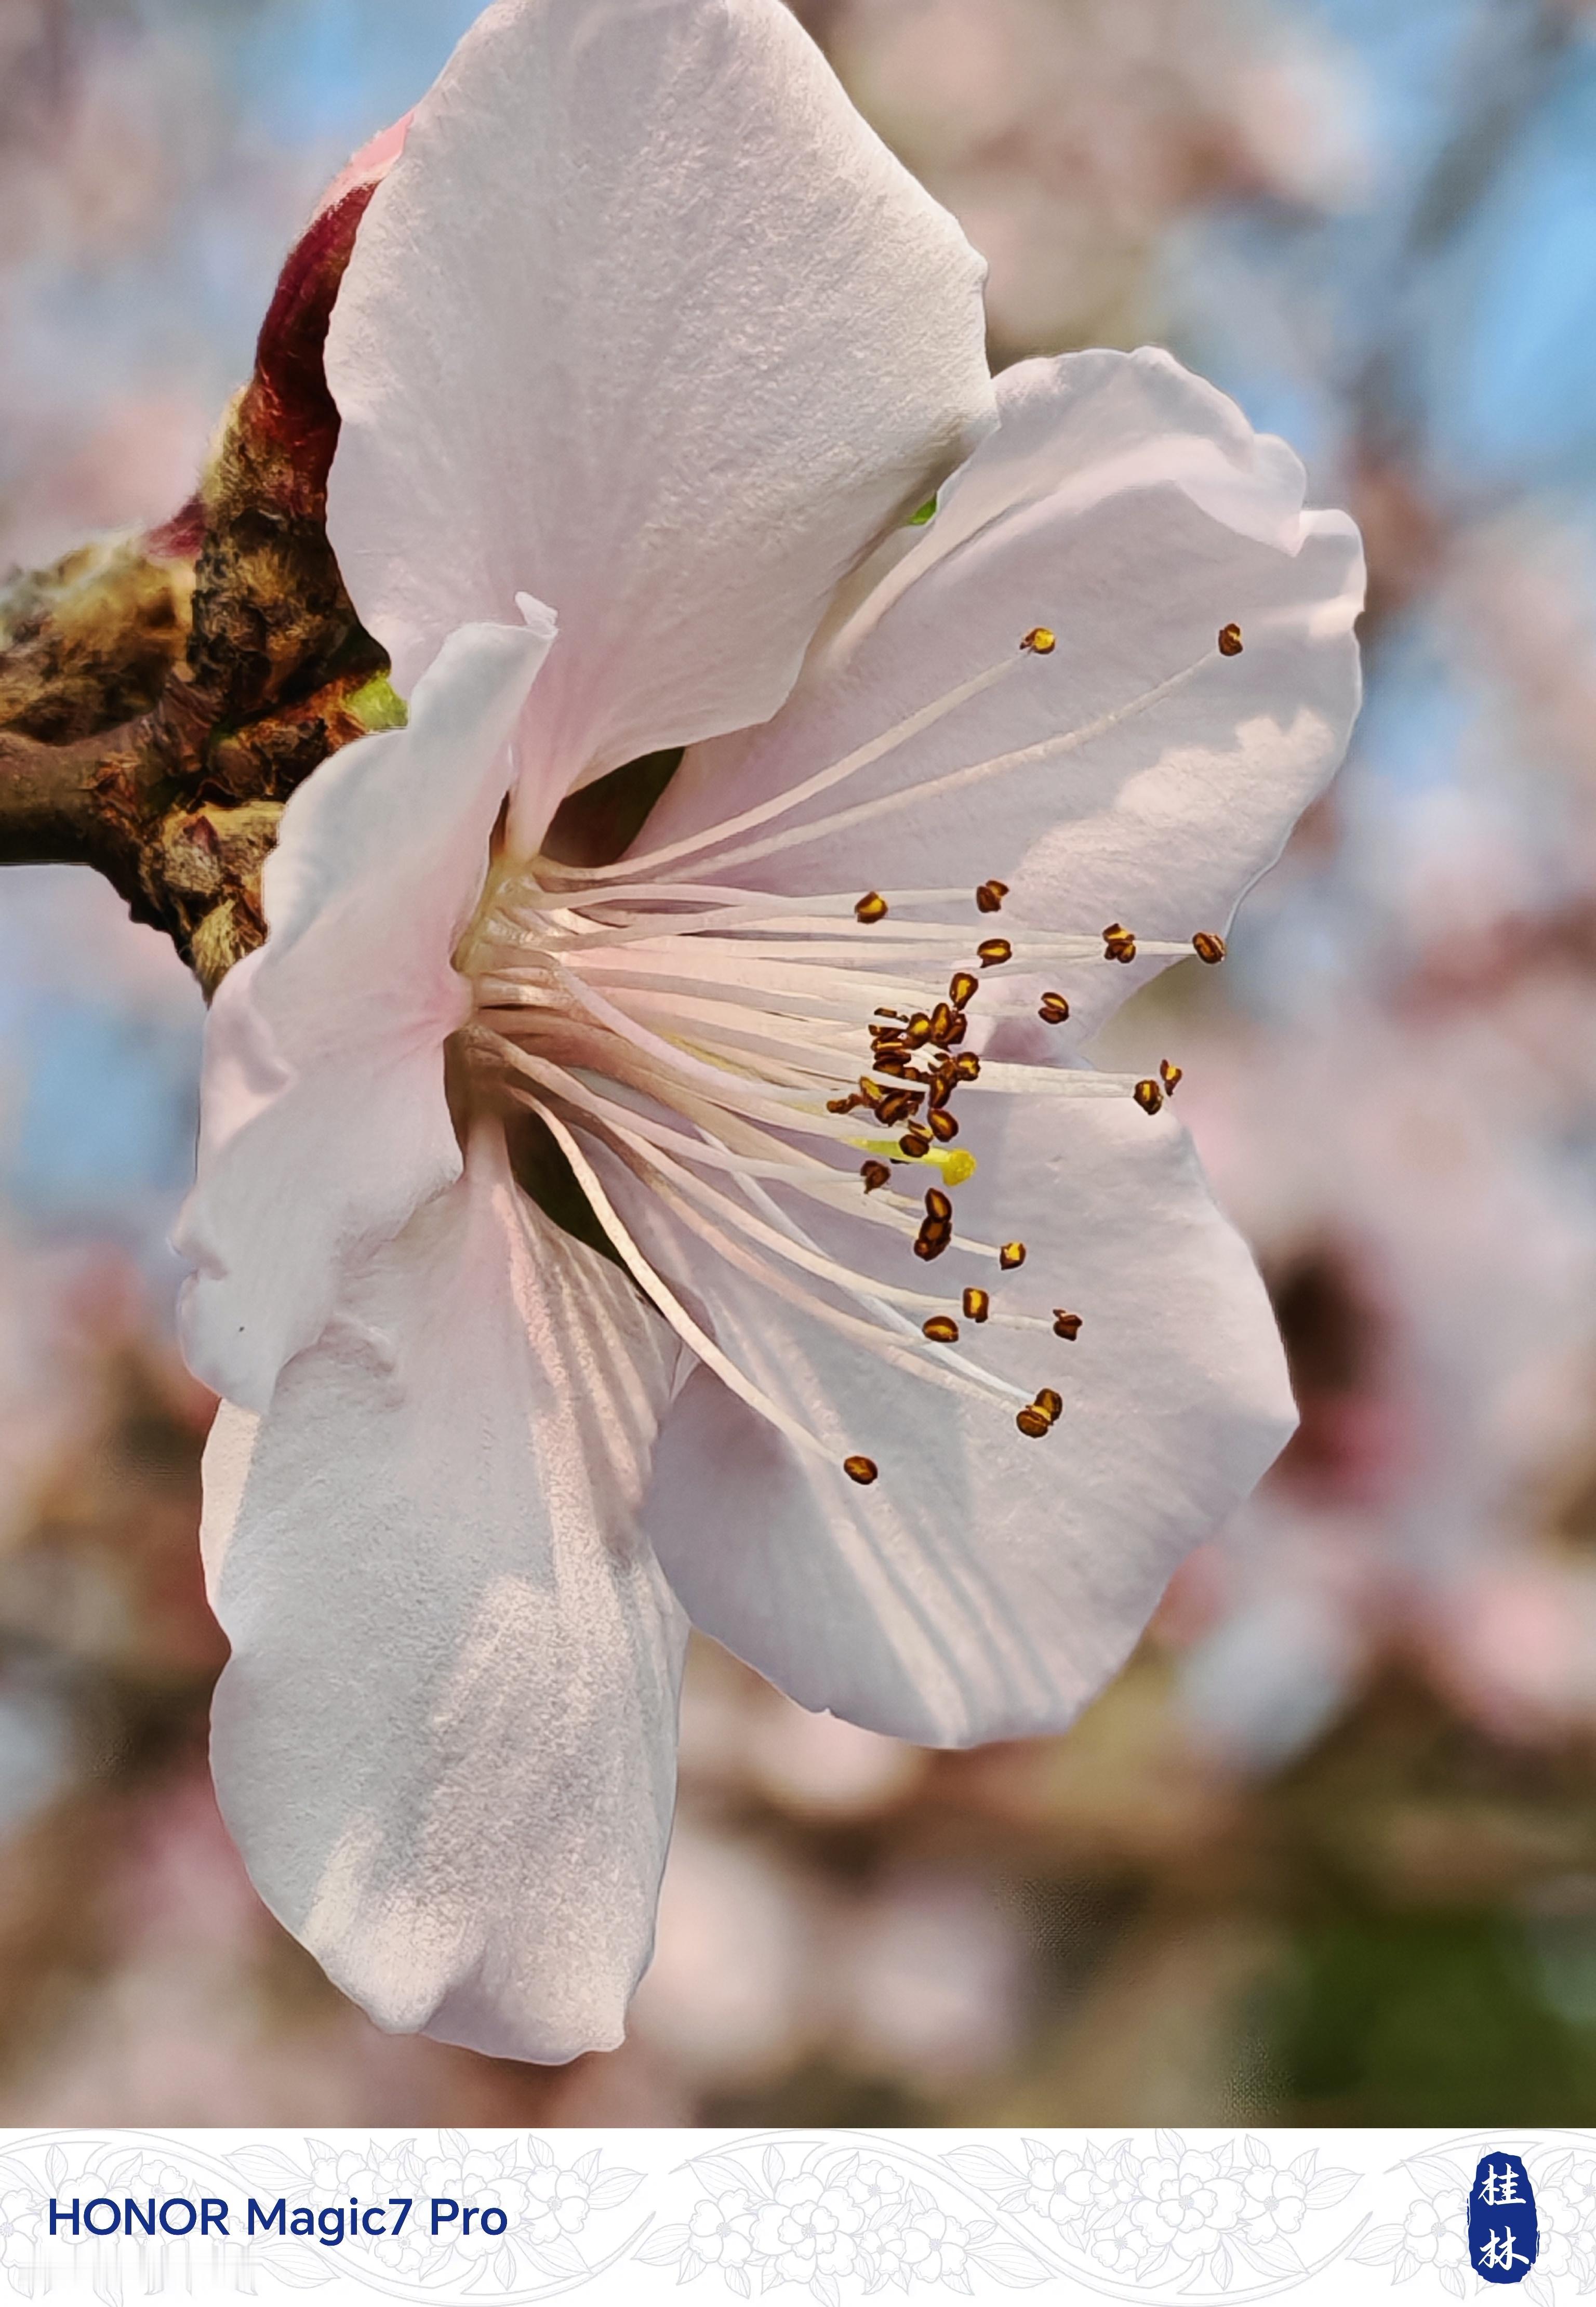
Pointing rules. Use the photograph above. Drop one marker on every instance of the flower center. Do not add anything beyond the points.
(728, 1046)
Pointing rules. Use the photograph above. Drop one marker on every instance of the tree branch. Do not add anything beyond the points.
(160, 697)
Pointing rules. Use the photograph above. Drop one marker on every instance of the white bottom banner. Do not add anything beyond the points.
(641, 2216)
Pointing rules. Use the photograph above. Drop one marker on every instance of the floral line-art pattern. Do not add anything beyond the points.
(834, 2216)
(1432, 2231)
(850, 2221)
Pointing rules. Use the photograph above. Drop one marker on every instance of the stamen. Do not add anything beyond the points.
(1034, 1422)
(1066, 1326)
(862, 1471)
(1208, 946)
(1170, 1075)
(1051, 1404)
(1054, 1009)
(1148, 1096)
(863, 756)
(978, 1305)
(1040, 642)
(990, 897)
(1011, 1255)
(906, 796)
(962, 988)
(875, 1174)
(653, 1287)
(942, 1330)
(1117, 943)
(933, 1238)
(1229, 640)
(871, 907)
(994, 953)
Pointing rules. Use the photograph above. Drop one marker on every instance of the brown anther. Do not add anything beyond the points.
(871, 907)
(1012, 1254)
(994, 953)
(918, 1031)
(933, 1238)
(967, 1066)
(941, 1024)
(1040, 642)
(943, 1127)
(843, 1104)
(942, 1330)
(1054, 1009)
(1051, 1404)
(1148, 1096)
(963, 988)
(1066, 1326)
(990, 897)
(941, 1089)
(895, 1015)
(870, 1091)
(1208, 946)
(978, 1305)
(938, 1206)
(1034, 1422)
(875, 1174)
(896, 1065)
(862, 1471)
(896, 1106)
(1117, 943)
(1229, 640)
(915, 1144)
(957, 1030)
(1170, 1075)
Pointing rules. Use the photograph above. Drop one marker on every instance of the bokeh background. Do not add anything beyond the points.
(1327, 1851)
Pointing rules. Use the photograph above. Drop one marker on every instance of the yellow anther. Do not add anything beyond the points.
(871, 907)
(1040, 642)
(862, 1471)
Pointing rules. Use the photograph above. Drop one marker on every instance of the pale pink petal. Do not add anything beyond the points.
(647, 322)
(369, 166)
(1129, 509)
(325, 1122)
(988, 1583)
(445, 1743)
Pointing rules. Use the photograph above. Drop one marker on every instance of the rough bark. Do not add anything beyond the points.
(161, 696)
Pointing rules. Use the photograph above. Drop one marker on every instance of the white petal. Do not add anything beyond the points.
(646, 320)
(324, 1119)
(445, 1742)
(1129, 509)
(988, 1584)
